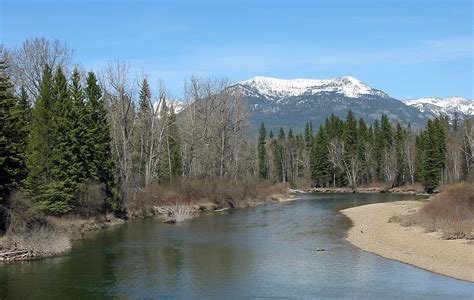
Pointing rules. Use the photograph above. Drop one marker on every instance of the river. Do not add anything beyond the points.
(263, 252)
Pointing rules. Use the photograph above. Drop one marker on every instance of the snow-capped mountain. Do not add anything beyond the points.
(279, 88)
(443, 106)
(292, 103)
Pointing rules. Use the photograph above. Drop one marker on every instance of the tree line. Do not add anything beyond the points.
(352, 153)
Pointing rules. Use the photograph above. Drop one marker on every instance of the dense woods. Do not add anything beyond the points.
(75, 142)
(352, 153)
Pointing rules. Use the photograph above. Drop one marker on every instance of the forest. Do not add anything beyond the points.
(85, 143)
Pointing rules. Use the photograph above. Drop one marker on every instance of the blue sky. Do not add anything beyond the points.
(405, 48)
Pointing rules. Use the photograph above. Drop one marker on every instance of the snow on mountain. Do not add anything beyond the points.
(292, 103)
(178, 106)
(447, 106)
(275, 88)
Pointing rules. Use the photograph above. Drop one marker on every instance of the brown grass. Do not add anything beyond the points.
(221, 192)
(451, 213)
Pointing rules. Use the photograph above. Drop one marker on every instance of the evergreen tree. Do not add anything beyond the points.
(278, 161)
(308, 135)
(363, 138)
(24, 106)
(432, 144)
(290, 156)
(12, 139)
(143, 138)
(59, 191)
(420, 146)
(102, 166)
(378, 142)
(261, 148)
(319, 162)
(387, 132)
(401, 136)
(349, 135)
(41, 141)
(145, 97)
(78, 124)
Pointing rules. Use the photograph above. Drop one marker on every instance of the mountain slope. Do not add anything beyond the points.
(291, 103)
(446, 106)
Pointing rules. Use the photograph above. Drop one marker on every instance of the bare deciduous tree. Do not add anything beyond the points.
(27, 62)
(349, 163)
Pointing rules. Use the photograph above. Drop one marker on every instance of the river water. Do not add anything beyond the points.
(263, 252)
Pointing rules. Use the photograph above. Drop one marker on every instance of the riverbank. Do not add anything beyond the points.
(404, 190)
(57, 241)
(372, 232)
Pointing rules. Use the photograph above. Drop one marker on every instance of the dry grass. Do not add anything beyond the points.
(39, 242)
(221, 192)
(29, 229)
(451, 213)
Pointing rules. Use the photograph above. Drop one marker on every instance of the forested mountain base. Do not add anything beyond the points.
(350, 153)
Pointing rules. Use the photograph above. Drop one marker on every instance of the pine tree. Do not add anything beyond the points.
(278, 161)
(59, 193)
(433, 148)
(143, 142)
(100, 143)
(291, 157)
(387, 132)
(319, 162)
(145, 97)
(12, 139)
(378, 142)
(24, 106)
(401, 136)
(78, 124)
(261, 155)
(308, 135)
(362, 145)
(420, 146)
(349, 135)
(41, 141)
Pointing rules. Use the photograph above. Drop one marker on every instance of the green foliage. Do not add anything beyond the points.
(319, 162)
(308, 135)
(171, 165)
(101, 163)
(261, 155)
(278, 156)
(431, 146)
(13, 134)
(41, 140)
(69, 144)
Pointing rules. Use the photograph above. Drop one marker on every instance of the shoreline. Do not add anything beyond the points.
(366, 190)
(372, 232)
(84, 226)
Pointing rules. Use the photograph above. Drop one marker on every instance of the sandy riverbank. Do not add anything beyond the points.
(373, 233)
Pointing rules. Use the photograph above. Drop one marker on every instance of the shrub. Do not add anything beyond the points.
(23, 214)
(450, 212)
(89, 200)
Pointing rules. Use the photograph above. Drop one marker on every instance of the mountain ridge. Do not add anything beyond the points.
(293, 102)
